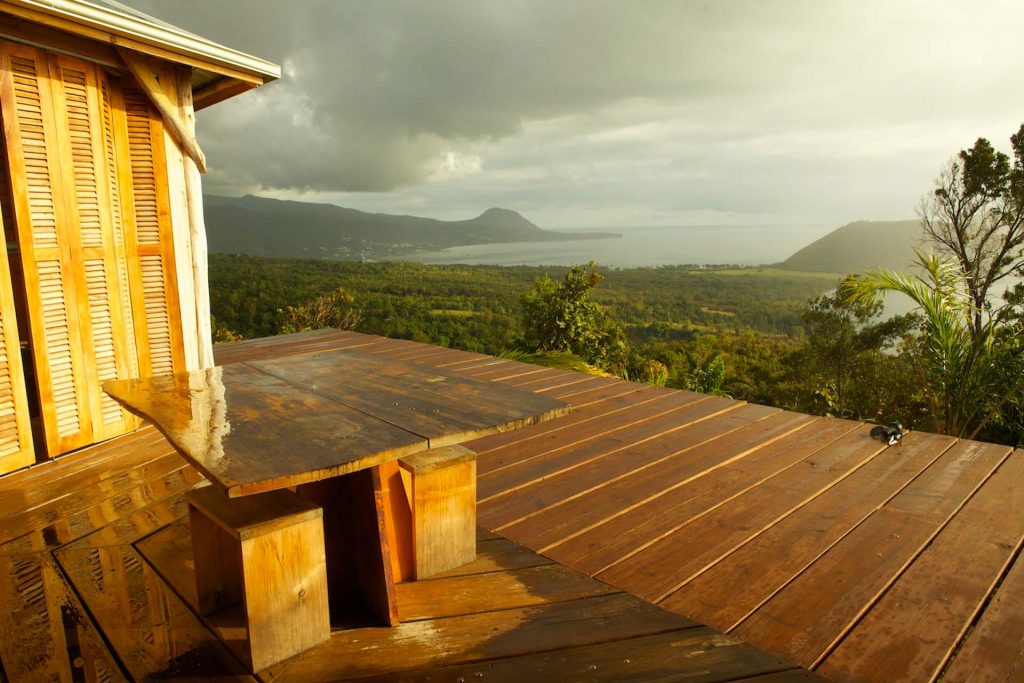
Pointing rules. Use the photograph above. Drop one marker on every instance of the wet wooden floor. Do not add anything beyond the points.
(799, 535)
(96, 577)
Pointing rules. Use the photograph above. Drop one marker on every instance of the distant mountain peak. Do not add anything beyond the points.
(504, 218)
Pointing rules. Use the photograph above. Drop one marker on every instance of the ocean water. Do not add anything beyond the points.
(646, 246)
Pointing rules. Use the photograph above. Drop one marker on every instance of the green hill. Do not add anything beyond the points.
(860, 246)
(289, 229)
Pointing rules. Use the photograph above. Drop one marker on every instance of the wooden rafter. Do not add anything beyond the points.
(146, 74)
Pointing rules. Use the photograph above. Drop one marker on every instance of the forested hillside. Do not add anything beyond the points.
(857, 247)
(477, 307)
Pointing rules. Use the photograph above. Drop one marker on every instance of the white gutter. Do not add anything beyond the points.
(148, 31)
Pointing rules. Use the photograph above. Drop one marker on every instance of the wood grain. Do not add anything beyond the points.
(249, 432)
(635, 525)
(807, 617)
(442, 497)
(439, 406)
(940, 592)
(736, 585)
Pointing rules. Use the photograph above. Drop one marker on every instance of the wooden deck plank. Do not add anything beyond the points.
(570, 385)
(541, 379)
(155, 635)
(45, 635)
(500, 512)
(475, 593)
(811, 613)
(478, 637)
(642, 476)
(169, 552)
(994, 650)
(298, 343)
(941, 592)
(81, 498)
(489, 449)
(79, 523)
(666, 563)
(43, 485)
(624, 526)
(441, 355)
(137, 525)
(696, 655)
(736, 585)
(611, 390)
(502, 482)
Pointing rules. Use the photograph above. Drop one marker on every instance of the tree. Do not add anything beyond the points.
(976, 215)
(845, 366)
(336, 309)
(563, 317)
(962, 364)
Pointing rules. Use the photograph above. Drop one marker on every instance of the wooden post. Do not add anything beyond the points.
(197, 227)
(262, 555)
(443, 499)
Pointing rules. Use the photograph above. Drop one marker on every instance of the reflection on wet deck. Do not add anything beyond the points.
(96, 574)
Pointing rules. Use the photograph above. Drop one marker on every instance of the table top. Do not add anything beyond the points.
(270, 424)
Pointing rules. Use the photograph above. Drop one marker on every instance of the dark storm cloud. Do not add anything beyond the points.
(748, 107)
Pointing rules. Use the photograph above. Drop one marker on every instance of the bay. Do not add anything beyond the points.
(750, 245)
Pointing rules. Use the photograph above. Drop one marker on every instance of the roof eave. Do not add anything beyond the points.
(137, 33)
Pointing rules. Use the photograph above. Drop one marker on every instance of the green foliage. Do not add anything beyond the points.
(847, 366)
(337, 309)
(563, 317)
(961, 363)
(705, 376)
(562, 360)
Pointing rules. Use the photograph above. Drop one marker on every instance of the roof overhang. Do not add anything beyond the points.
(219, 72)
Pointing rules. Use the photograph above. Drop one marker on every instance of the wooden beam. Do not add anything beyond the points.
(197, 227)
(146, 75)
(25, 31)
(218, 91)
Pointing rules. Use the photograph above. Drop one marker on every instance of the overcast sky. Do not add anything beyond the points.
(607, 114)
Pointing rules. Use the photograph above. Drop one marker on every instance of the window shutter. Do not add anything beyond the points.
(15, 430)
(145, 204)
(62, 192)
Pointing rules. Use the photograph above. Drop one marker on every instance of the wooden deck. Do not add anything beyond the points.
(799, 535)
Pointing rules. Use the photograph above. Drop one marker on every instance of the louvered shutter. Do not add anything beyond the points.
(15, 430)
(139, 131)
(62, 194)
(107, 330)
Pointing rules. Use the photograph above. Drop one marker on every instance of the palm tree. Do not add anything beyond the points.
(961, 358)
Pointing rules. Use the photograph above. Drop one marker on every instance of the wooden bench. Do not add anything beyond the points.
(440, 486)
(259, 560)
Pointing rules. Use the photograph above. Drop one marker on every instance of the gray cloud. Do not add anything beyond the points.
(607, 112)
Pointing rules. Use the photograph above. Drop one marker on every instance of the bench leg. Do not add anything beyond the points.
(218, 564)
(359, 565)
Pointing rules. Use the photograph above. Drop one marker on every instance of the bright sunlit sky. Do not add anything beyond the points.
(610, 114)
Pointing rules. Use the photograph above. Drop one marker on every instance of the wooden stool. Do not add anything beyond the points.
(441, 489)
(259, 560)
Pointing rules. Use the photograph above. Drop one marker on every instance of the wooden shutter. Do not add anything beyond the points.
(15, 430)
(139, 132)
(62, 204)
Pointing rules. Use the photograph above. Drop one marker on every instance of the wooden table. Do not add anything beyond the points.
(330, 426)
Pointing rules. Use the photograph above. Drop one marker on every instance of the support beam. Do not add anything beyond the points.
(197, 227)
(146, 75)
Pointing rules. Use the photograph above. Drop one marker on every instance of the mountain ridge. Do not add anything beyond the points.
(261, 226)
(860, 246)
